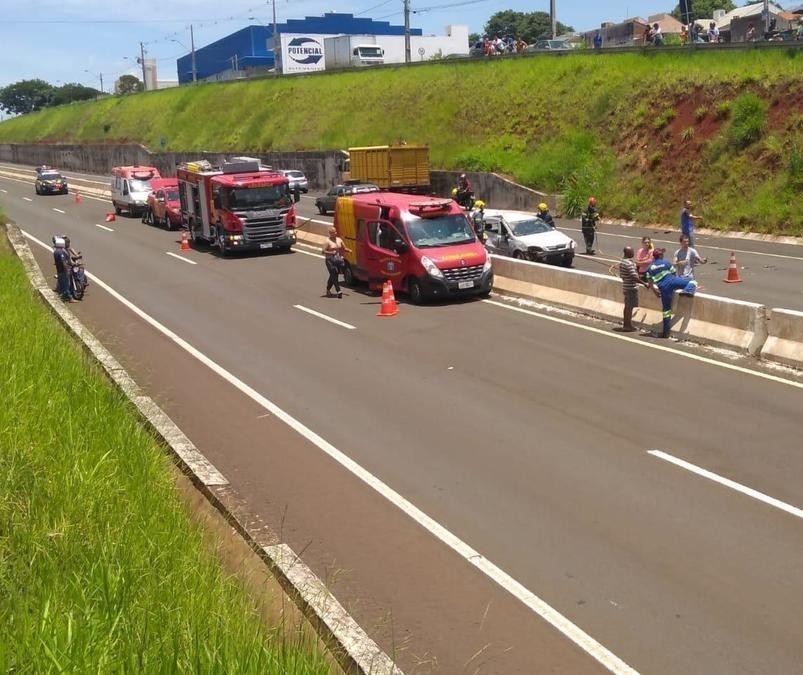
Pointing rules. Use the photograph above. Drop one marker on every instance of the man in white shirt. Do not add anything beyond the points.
(686, 258)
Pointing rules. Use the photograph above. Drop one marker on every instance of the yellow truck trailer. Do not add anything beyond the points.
(400, 168)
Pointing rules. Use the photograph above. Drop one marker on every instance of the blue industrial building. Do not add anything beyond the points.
(250, 48)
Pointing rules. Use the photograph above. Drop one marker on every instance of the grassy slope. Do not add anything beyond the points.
(100, 568)
(617, 125)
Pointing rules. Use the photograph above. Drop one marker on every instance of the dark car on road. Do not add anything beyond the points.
(50, 183)
(326, 203)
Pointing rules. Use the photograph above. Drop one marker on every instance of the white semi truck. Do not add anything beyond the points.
(348, 51)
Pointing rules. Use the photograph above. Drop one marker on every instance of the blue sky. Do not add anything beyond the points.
(80, 48)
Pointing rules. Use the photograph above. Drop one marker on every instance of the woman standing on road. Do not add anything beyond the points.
(333, 251)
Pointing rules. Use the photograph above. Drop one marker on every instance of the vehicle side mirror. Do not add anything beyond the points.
(216, 201)
(296, 194)
(400, 246)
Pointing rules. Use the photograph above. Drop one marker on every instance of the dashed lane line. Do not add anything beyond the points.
(103, 227)
(27, 199)
(181, 258)
(59, 211)
(337, 322)
(727, 482)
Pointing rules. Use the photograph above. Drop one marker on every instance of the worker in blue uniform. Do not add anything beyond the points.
(662, 278)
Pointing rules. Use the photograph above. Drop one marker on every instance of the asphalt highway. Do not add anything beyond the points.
(528, 438)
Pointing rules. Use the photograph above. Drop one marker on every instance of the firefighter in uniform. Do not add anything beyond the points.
(664, 281)
(544, 214)
(588, 221)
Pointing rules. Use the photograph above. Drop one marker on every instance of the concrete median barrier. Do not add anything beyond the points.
(784, 342)
(701, 318)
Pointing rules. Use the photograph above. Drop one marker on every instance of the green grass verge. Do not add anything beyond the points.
(642, 130)
(101, 569)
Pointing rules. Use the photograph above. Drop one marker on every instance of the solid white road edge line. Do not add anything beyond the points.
(588, 644)
(727, 482)
(699, 245)
(103, 227)
(325, 318)
(59, 211)
(648, 345)
(182, 258)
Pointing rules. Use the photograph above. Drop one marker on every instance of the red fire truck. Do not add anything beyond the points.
(238, 206)
(424, 246)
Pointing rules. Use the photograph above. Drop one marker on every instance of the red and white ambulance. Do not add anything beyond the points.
(130, 188)
(425, 246)
(238, 206)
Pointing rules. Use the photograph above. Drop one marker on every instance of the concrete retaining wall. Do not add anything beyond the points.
(497, 192)
(702, 318)
(785, 339)
(321, 168)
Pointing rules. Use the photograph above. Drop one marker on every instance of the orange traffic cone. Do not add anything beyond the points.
(388, 306)
(110, 217)
(733, 271)
(185, 241)
(77, 198)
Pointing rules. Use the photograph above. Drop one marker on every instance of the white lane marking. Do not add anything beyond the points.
(699, 245)
(310, 253)
(4, 191)
(647, 345)
(182, 258)
(59, 211)
(582, 639)
(325, 318)
(27, 199)
(103, 227)
(727, 482)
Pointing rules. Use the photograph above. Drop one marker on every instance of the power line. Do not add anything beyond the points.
(371, 9)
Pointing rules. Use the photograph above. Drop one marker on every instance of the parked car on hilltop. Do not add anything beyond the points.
(548, 46)
(49, 182)
(523, 235)
(297, 179)
(326, 203)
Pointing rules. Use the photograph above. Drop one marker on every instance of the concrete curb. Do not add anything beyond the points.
(784, 342)
(348, 642)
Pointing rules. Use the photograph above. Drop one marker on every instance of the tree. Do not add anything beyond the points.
(72, 91)
(703, 9)
(473, 38)
(129, 84)
(25, 96)
(529, 26)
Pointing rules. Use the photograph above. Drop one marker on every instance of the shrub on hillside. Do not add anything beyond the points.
(748, 117)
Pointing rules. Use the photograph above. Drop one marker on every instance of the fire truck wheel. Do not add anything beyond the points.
(415, 291)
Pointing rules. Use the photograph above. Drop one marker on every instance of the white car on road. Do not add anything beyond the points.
(296, 178)
(524, 235)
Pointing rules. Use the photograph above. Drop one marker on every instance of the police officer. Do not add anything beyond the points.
(545, 215)
(588, 221)
(662, 278)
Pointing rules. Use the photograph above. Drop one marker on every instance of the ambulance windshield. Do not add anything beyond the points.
(269, 197)
(448, 230)
(136, 185)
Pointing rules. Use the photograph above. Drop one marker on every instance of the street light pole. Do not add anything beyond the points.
(192, 49)
(276, 43)
(142, 61)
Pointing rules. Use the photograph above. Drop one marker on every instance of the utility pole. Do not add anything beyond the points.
(766, 13)
(553, 23)
(101, 82)
(407, 55)
(276, 44)
(142, 61)
(192, 49)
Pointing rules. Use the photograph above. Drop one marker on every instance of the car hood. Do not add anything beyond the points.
(544, 239)
(464, 255)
